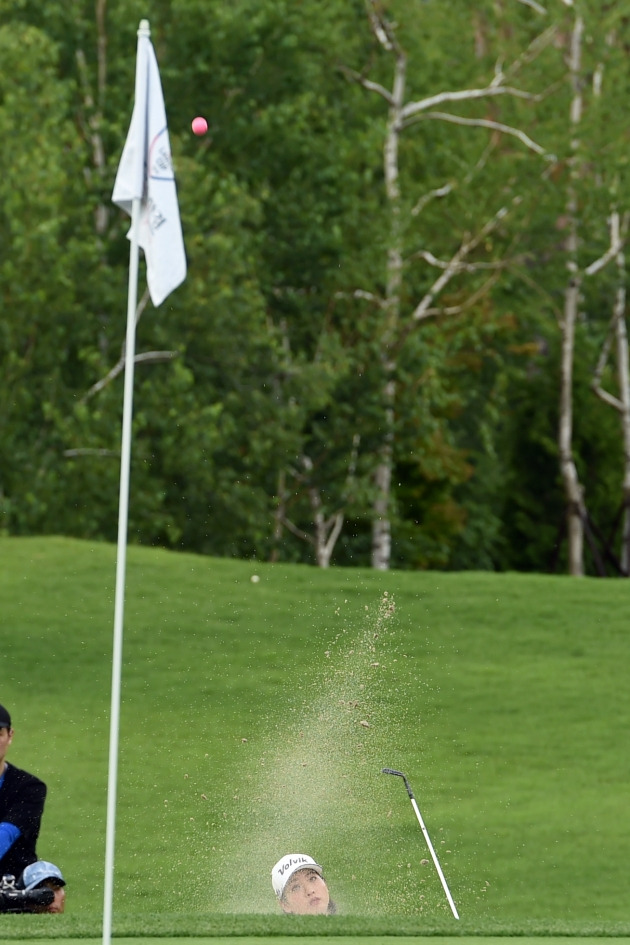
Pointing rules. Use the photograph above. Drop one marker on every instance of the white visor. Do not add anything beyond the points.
(287, 866)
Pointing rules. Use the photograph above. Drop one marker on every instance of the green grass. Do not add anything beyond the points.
(306, 939)
(503, 697)
(367, 939)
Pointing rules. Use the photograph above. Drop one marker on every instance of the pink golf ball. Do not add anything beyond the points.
(199, 125)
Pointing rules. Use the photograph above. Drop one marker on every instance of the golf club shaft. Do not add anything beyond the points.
(435, 859)
(425, 832)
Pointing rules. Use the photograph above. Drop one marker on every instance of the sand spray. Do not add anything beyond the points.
(314, 783)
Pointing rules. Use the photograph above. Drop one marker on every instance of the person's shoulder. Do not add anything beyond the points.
(19, 776)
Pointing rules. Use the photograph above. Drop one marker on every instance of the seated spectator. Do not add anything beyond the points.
(22, 797)
(40, 888)
(45, 875)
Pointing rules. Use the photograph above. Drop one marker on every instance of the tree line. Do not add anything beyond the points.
(402, 339)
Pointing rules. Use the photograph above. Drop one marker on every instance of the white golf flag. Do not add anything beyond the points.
(146, 172)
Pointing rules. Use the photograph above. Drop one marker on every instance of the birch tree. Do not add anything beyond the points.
(576, 509)
(616, 346)
(398, 321)
(588, 171)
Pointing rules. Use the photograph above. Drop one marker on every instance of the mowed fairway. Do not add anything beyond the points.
(341, 940)
(256, 716)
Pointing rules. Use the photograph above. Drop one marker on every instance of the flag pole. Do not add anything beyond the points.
(123, 518)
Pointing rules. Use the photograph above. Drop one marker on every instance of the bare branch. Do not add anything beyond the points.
(362, 294)
(537, 45)
(304, 536)
(385, 35)
(462, 267)
(333, 534)
(437, 192)
(448, 188)
(470, 301)
(618, 232)
(454, 266)
(147, 357)
(607, 398)
(382, 28)
(142, 304)
(538, 289)
(88, 451)
(492, 125)
(600, 263)
(326, 530)
(104, 381)
(462, 95)
(155, 357)
(367, 83)
(535, 6)
(596, 382)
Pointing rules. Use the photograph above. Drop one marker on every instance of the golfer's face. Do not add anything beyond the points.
(306, 893)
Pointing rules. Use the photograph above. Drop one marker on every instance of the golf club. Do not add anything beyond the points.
(399, 774)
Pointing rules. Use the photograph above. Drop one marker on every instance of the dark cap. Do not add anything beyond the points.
(5, 718)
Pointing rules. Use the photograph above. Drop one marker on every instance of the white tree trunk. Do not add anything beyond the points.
(621, 403)
(573, 490)
(381, 512)
(624, 396)
(618, 332)
(327, 531)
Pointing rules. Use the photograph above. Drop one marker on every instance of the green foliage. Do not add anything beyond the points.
(276, 337)
(39, 213)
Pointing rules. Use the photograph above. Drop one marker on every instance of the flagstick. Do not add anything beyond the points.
(121, 560)
(123, 518)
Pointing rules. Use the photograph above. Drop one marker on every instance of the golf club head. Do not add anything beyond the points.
(398, 774)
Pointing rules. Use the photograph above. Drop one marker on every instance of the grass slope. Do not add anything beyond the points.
(256, 717)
